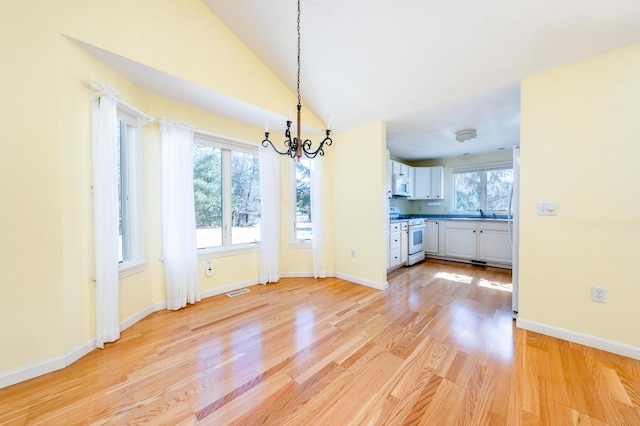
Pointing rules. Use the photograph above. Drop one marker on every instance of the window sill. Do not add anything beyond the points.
(213, 253)
(131, 268)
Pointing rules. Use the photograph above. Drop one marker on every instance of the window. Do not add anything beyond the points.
(301, 176)
(487, 188)
(226, 185)
(129, 175)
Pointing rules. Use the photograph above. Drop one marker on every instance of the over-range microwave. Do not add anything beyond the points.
(401, 186)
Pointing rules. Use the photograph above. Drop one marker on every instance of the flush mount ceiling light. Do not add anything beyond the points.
(296, 147)
(466, 135)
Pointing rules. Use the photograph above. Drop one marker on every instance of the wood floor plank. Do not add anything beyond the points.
(438, 347)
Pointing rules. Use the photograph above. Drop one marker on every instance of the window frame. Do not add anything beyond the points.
(294, 242)
(226, 145)
(483, 168)
(134, 120)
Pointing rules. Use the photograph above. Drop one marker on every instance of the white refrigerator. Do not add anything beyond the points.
(514, 228)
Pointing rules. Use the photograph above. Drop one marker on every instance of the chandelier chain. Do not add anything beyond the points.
(296, 147)
(298, 85)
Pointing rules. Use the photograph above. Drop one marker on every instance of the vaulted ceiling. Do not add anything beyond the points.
(426, 67)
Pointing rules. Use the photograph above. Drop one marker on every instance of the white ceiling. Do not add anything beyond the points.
(426, 67)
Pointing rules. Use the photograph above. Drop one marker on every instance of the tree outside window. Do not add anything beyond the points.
(487, 189)
(226, 185)
(303, 231)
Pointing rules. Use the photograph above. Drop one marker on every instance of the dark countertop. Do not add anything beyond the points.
(401, 218)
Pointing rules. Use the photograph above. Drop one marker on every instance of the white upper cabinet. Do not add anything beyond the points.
(400, 169)
(437, 186)
(428, 183)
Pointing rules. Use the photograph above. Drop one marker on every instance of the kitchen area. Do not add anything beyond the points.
(425, 223)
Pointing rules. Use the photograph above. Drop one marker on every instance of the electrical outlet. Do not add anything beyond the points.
(599, 294)
(353, 253)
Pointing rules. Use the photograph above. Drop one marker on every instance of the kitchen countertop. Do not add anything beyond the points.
(402, 218)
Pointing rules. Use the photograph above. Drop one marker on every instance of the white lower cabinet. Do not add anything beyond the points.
(460, 239)
(432, 240)
(493, 242)
(483, 241)
(395, 245)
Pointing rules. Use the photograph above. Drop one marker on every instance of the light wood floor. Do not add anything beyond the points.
(438, 347)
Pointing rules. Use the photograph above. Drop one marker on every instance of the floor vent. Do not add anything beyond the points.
(238, 292)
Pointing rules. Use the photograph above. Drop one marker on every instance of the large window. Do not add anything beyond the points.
(130, 241)
(302, 187)
(226, 195)
(487, 188)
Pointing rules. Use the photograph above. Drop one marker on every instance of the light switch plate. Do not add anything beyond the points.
(547, 208)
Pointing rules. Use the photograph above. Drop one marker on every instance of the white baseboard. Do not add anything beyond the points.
(296, 275)
(583, 339)
(304, 274)
(22, 374)
(378, 286)
(128, 322)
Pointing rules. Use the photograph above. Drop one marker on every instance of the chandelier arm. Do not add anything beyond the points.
(306, 147)
(267, 142)
(291, 145)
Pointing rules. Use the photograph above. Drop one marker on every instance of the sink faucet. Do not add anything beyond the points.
(481, 213)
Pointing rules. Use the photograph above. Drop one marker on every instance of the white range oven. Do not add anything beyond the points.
(417, 229)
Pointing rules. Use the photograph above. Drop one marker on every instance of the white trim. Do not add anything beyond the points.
(130, 268)
(583, 339)
(483, 167)
(131, 320)
(18, 375)
(23, 374)
(378, 286)
(212, 253)
(224, 142)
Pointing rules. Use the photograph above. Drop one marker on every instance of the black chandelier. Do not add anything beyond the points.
(296, 148)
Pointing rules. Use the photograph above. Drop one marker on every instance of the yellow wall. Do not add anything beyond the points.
(579, 133)
(359, 191)
(46, 222)
(31, 230)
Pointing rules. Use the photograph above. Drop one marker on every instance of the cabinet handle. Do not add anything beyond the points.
(481, 231)
(474, 231)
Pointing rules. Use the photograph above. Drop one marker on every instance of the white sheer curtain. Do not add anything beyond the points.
(105, 215)
(269, 216)
(317, 219)
(179, 248)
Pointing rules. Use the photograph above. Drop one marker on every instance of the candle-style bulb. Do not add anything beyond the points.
(289, 113)
(328, 121)
(266, 124)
